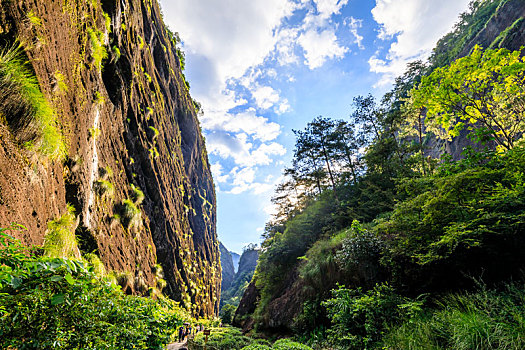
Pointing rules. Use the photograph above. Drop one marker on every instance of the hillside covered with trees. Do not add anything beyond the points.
(402, 226)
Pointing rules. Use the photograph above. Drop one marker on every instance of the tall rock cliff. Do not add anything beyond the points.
(228, 271)
(111, 73)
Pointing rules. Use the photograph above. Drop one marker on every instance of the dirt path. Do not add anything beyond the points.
(177, 346)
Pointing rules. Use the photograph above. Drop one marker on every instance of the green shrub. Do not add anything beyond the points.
(24, 107)
(60, 240)
(257, 347)
(359, 319)
(94, 261)
(224, 338)
(227, 312)
(287, 344)
(53, 303)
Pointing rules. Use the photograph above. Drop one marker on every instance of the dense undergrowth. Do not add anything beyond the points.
(232, 339)
(60, 303)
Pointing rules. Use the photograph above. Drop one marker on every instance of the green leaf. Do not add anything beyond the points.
(56, 278)
(15, 282)
(69, 279)
(57, 299)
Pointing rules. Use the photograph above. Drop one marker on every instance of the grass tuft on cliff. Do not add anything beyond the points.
(104, 189)
(24, 107)
(98, 49)
(60, 240)
(129, 214)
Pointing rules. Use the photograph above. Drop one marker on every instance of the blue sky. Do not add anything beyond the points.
(261, 68)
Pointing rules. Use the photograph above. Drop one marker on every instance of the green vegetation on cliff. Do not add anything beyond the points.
(25, 109)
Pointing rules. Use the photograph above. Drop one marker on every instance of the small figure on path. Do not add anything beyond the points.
(181, 333)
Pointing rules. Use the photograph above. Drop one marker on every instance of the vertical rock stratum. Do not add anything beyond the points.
(112, 74)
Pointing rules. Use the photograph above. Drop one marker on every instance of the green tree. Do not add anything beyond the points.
(484, 91)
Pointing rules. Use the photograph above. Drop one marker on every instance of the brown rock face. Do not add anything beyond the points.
(130, 121)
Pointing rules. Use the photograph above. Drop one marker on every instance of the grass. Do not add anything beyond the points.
(98, 49)
(60, 240)
(104, 189)
(34, 19)
(154, 131)
(61, 81)
(24, 107)
(137, 195)
(98, 267)
(487, 319)
(129, 215)
(99, 99)
(94, 133)
(122, 278)
(116, 53)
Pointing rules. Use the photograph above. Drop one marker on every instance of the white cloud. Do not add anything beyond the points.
(320, 47)
(416, 26)
(217, 171)
(283, 107)
(235, 36)
(327, 8)
(227, 46)
(244, 180)
(243, 152)
(265, 96)
(354, 25)
(285, 46)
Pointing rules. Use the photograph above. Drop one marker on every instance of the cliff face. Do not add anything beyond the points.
(248, 262)
(127, 120)
(228, 271)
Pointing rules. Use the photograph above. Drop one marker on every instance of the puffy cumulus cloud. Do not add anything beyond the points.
(285, 46)
(246, 122)
(265, 96)
(244, 179)
(235, 34)
(243, 152)
(217, 172)
(320, 46)
(415, 26)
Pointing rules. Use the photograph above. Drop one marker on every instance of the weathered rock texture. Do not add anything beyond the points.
(228, 271)
(149, 137)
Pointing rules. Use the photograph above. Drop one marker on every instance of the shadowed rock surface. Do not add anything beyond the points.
(148, 135)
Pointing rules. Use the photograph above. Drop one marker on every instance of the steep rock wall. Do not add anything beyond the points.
(132, 116)
(228, 271)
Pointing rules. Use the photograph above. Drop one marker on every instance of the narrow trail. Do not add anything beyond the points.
(177, 346)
